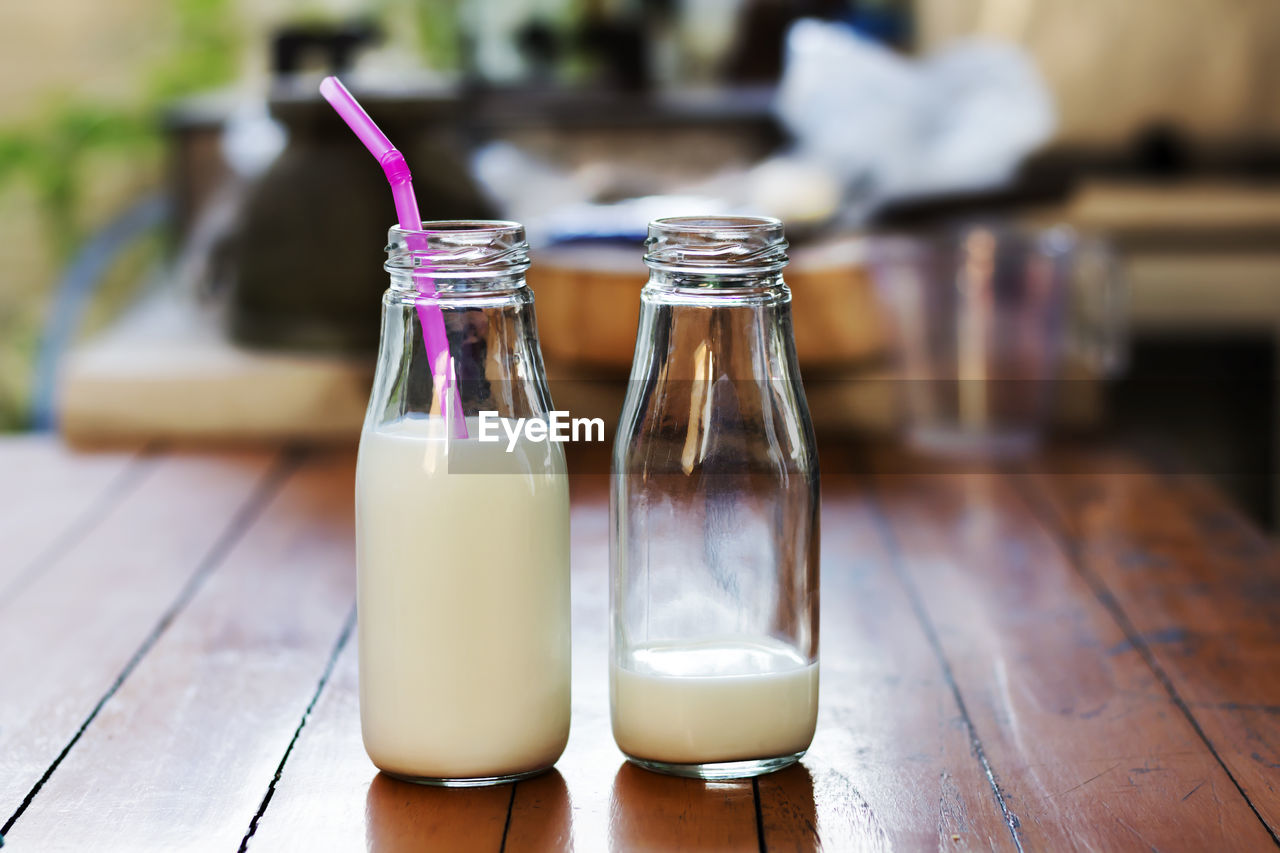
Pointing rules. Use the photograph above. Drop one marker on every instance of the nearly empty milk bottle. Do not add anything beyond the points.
(462, 543)
(714, 504)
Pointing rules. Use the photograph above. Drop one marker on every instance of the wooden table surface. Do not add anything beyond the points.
(1011, 660)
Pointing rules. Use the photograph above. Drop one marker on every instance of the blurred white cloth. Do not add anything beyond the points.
(886, 126)
(869, 126)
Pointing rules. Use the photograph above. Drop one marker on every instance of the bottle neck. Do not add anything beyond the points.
(458, 258)
(704, 334)
(740, 288)
(415, 284)
(716, 260)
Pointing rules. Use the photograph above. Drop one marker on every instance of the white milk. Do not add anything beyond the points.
(463, 602)
(729, 699)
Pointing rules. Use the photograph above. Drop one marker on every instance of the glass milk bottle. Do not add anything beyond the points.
(714, 504)
(462, 544)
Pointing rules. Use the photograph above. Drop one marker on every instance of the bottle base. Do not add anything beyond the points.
(721, 770)
(466, 781)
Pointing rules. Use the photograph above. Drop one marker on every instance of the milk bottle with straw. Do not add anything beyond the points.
(462, 545)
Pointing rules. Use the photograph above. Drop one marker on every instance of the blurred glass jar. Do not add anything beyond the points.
(989, 322)
(714, 536)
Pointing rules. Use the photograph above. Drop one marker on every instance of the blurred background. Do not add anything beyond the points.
(1009, 218)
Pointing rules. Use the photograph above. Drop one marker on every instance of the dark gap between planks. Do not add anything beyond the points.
(267, 488)
(1067, 541)
(896, 560)
(119, 487)
(344, 636)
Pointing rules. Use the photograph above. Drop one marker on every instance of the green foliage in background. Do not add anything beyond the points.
(206, 53)
(49, 150)
(56, 155)
(49, 153)
(437, 31)
(428, 27)
(74, 145)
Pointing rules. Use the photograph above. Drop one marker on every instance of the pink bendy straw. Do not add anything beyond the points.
(397, 172)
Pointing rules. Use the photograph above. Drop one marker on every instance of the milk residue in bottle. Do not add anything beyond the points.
(714, 507)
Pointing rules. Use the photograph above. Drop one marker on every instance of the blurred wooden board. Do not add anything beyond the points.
(1148, 206)
(589, 304)
(1080, 653)
(1196, 255)
(166, 371)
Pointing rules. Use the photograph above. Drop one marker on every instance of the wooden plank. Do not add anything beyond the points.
(591, 760)
(613, 804)
(77, 626)
(329, 794)
(330, 797)
(186, 748)
(401, 816)
(1087, 750)
(167, 370)
(891, 765)
(1197, 588)
(651, 812)
(329, 757)
(49, 497)
(544, 818)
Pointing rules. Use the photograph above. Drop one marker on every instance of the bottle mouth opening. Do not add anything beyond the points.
(459, 247)
(715, 223)
(716, 245)
(470, 226)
